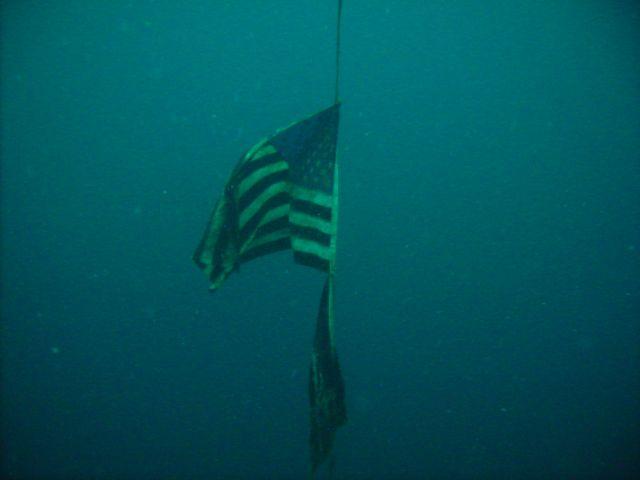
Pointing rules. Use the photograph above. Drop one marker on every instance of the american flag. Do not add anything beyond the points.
(281, 195)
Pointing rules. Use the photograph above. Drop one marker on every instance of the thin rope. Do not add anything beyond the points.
(336, 99)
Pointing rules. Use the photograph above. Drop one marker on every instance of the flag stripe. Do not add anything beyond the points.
(260, 187)
(309, 221)
(280, 223)
(250, 165)
(266, 237)
(266, 248)
(254, 151)
(312, 196)
(254, 177)
(263, 150)
(311, 209)
(311, 234)
(308, 246)
(273, 191)
(309, 260)
(276, 203)
(279, 226)
(211, 245)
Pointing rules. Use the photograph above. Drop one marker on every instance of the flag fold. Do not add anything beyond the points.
(326, 386)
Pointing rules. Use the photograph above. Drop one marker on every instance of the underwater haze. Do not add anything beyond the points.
(488, 266)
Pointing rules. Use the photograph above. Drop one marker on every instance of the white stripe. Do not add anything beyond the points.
(254, 153)
(305, 220)
(259, 174)
(266, 150)
(271, 215)
(253, 208)
(281, 211)
(272, 237)
(312, 196)
(308, 246)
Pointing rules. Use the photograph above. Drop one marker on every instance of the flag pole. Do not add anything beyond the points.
(336, 98)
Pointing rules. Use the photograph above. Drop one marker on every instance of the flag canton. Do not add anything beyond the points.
(314, 170)
(309, 147)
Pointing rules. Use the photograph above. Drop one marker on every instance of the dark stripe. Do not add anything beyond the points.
(205, 237)
(281, 198)
(310, 208)
(311, 260)
(310, 233)
(250, 166)
(264, 183)
(265, 249)
(280, 223)
(225, 237)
